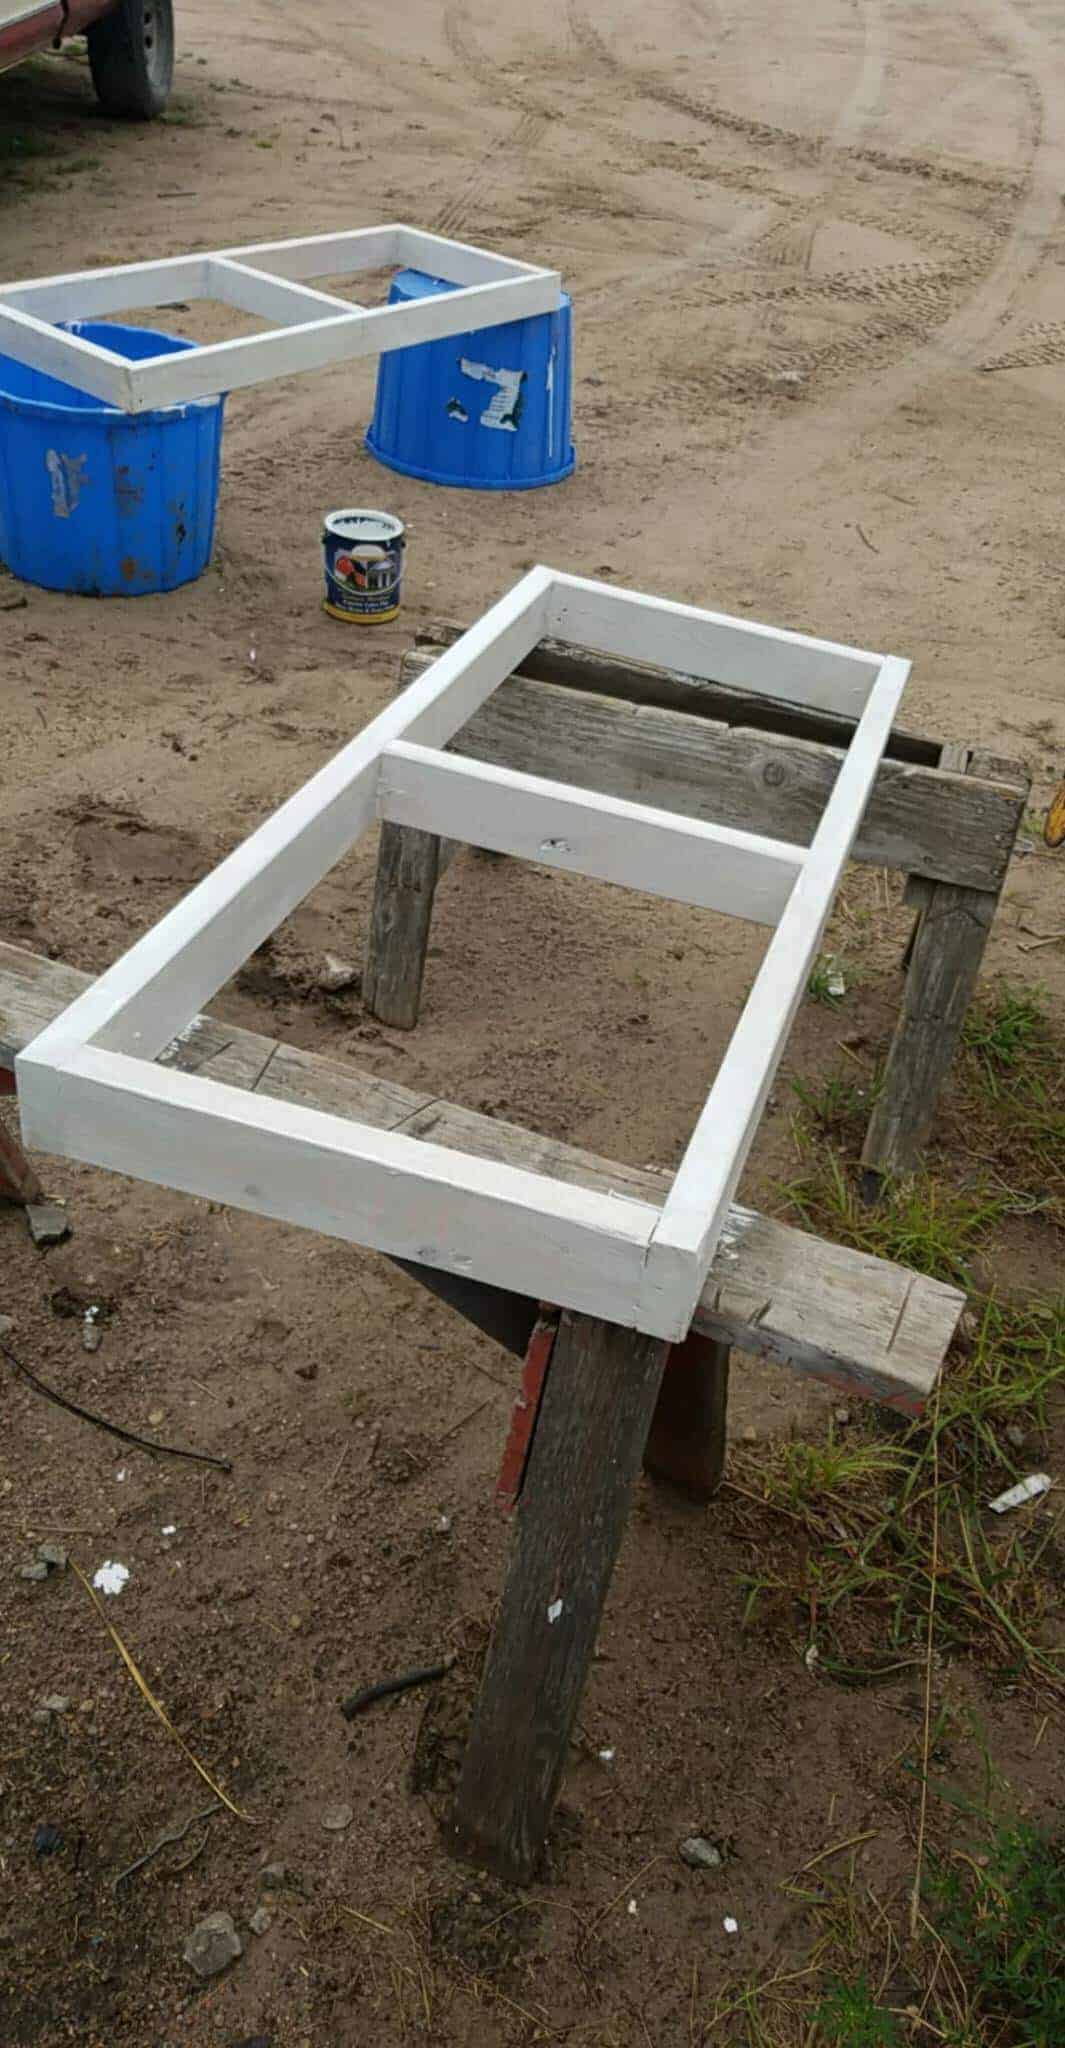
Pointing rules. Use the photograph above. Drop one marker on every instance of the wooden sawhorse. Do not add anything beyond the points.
(946, 815)
(609, 1396)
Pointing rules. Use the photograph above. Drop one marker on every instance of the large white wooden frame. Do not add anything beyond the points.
(269, 279)
(89, 1088)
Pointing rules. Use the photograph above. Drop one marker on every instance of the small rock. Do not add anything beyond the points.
(156, 1416)
(47, 1839)
(1015, 1435)
(842, 1416)
(272, 1503)
(261, 1920)
(53, 1554)
(213, 1945)
(6, 1326)
(56, 1703)
(337, 974)
(699, 1854)
(273, 1877)
(17, 603)
(37, 1570)
(308, 1370)
(42, 1717)
(749, 1435)
(47, 1222)
(337, 1818)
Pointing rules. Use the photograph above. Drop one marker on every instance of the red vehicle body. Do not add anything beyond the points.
(36, 27)
(131, 45)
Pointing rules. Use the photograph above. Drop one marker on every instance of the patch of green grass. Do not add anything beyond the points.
(851, 1585)
(1012, 1087)
(919, 1222)
(848, 2016)
(18, 146)
(1002, 1916)
(837, 1106)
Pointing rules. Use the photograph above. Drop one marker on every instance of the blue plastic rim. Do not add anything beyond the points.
(101, 502)
(488, 411)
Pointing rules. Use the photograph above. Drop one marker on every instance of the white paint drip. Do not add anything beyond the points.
(66, 474)
(501, 409)
(111, 1577)
(554, 1611)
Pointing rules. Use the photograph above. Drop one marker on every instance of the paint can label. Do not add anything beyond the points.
(363, 565)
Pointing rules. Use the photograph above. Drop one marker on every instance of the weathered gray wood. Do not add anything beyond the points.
(947, 949)
(921, 818)
(578, 668)
(595, 1410)
(686, 1443)
(408, 868)
(865, 1326)
(942, 963)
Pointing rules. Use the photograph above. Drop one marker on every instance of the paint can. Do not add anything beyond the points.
(363, 566)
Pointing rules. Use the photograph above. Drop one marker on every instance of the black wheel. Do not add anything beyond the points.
(131, 56)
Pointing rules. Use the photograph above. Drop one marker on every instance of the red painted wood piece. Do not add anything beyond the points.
(18, 1182)
(525, 1410)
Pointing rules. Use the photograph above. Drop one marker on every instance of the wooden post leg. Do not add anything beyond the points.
(948, 947)
(596, 1408)
(686, 1446)
(408, 868)
(18, 1182)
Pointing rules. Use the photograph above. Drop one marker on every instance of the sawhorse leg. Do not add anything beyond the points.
(594, 1415)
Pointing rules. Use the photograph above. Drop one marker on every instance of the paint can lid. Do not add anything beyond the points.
(380, 527)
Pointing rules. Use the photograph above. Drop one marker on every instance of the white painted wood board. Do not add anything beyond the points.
(88, 1086)
(311, 329)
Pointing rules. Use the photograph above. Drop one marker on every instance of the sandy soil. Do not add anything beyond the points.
(817, 255)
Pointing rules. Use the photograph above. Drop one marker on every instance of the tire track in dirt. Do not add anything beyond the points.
(529, 128)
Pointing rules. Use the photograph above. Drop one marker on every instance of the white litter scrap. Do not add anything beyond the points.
(554, 1611)
(730, 1925)
(1026, 1489)
(111, 1577)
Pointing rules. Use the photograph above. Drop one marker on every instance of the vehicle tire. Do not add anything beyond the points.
(131, 56)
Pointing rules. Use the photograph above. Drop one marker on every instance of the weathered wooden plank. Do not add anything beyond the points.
(871, 1328)
(947, 949)
(942, 963)
(595, 1411)
(687, 1439)
(921, 819)
(408, 866)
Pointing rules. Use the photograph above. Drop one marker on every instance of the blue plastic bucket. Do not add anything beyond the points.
(488, 411)
(103, 502)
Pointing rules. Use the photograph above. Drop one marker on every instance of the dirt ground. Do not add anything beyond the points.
(817, 257)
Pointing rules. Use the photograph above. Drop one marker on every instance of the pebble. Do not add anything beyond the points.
(47, 1222)
(337, 974)
(337, 1818)
(273, 1877)
(6, 1326)
(749, 1435)
(155, 1417)
(56, 1703)
(213, 1944)
(1015, 1435)
(47, 1839)
(261, 1920)
(842, 1416)
(699, 1854)
(37, 1570)
(53, 1554)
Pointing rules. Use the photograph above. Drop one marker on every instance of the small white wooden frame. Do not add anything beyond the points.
(270, 279)
(88, 1087)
